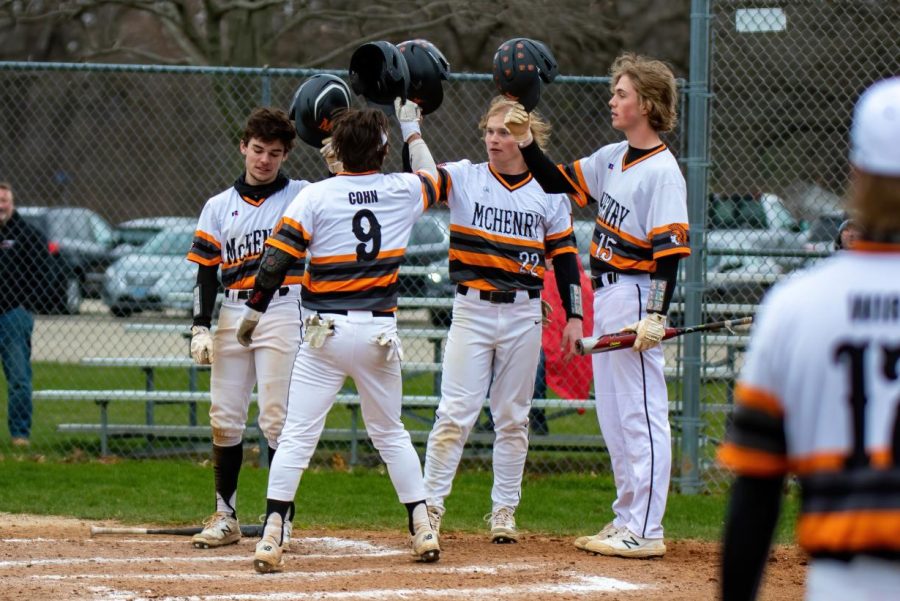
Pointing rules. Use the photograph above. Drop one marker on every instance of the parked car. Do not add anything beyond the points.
(60, 291)
(428, 245)
(155, 276)
(81, 236)
(133, 233)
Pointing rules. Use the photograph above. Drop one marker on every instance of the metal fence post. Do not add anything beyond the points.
(697, 163)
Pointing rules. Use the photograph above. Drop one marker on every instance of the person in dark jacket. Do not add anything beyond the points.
(23, 259)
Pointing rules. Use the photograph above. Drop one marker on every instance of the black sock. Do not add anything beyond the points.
(227, 466)
(409, 510)
(281, 508)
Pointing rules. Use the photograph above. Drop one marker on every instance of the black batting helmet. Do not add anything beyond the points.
(520, 65)
(378, 72)
(427, 67)
(315, 103)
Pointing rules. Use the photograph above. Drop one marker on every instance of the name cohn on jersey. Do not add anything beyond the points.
(236, 249)
(611, 212)
(506, 221)
(366, 197)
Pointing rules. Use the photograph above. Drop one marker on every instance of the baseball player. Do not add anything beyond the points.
(640, 235)
(819, 395)
(354, 229)
(503, 228)
(231, 231)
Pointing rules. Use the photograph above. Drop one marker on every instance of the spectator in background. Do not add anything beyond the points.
(848, 233)
(23, 261)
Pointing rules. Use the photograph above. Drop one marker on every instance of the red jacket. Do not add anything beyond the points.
(570, 380)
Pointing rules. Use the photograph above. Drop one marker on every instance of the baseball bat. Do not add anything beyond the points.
(619, 340)
(254, 530)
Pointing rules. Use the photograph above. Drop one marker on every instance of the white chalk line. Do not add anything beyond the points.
(331, 542)
(579, 585)
(249, 573)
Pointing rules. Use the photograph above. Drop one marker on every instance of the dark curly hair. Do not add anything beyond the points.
(269, 125)
(359, 139)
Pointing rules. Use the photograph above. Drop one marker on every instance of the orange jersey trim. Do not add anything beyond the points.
(643, 158)
(562, 250)
(244, 284)
(484, 260)
(751, 463)
(501, 239)
(757, 398)
(294, 224)
(242, 261)
(208, 238)
(355, 174)
(681, 250)
(834, 461)
(506, 184)
(875, 247)
(398, 252)
(624, 264)
(849, 530)
(286, 248)
(582, 185)
(354, 285)
(206, 262)
(255, 203)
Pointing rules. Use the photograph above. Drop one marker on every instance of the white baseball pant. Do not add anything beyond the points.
(318, 376)
(496, 346)
(237, 369)
(861, 579)
(633, 411)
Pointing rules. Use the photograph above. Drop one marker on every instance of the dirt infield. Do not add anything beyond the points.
(55, 558)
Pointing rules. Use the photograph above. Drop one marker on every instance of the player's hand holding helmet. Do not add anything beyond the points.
(409, 115)
(650, 331)
(327, 151)
(247, 324)
(202, 346)
(518, 122)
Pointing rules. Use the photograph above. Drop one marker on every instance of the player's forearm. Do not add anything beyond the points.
(545, 172)
(662, 285)
(272, 270)
(420, 156)
(752, 516)
(568, 284)
(205, 291)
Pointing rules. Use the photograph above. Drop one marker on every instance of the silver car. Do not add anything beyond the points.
(155, 276)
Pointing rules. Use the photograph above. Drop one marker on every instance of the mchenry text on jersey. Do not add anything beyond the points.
(251, 243)
(506, 221)
(875, 307)
(611, 212)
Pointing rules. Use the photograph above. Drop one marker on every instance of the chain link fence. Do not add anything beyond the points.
(99, 154)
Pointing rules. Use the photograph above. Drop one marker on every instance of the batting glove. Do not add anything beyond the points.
(650, 331)
(518, 122)
(249, 321)
(202, 346)
(409, 115)
(327, 152)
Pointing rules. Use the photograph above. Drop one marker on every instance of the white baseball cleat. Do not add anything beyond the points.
(424, 544)
(288, 532)
(219, 529)
(607, 531)
(268, 556)
(627, 544)
(435, 515)
(503, 526)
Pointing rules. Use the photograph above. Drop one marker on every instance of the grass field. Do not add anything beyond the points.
(181, 492)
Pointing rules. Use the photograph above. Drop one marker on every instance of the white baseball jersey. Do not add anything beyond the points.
(641, 208)
(819, 395)
(355, 228)
(233, 229)
(501, 233)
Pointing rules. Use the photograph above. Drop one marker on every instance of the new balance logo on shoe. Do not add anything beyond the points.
(630, 543)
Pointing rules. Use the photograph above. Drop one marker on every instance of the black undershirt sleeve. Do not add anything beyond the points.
(749, 525)
(667, 270)
(567, 277)
(545, 172)
(273, 268)
(205, 294)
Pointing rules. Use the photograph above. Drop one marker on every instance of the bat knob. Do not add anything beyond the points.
(579, 347)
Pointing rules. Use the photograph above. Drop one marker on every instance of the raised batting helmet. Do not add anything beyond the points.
(314, 105)
(427, 68)
(379, 73)
(520, 65)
